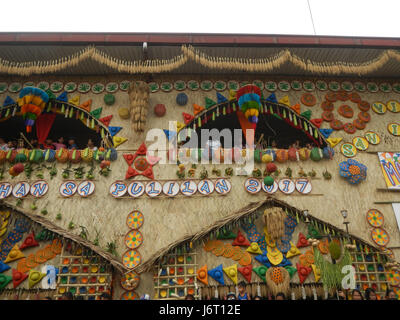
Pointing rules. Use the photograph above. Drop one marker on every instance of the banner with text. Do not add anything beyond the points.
(390, 164)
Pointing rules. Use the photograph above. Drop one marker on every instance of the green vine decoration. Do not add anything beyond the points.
(112, 248)
(84, 232)
(66, 171)
(79, 172)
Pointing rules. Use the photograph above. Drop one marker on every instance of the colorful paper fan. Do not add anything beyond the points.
(249, 102)
(133, 239)
(130, 281)
(375, 218)
(32, 102)
(131, 259)
(135, 220)
(380, 236)
(130, 295)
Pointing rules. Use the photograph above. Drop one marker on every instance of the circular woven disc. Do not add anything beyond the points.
(246, 259)
(130, 295)
(130, 276)
(229, 251)
(209, 245)
(131, 259)
(375, 218)
(237, 254)
(218, 251)
(135, 220)
(380, 236)
(133, 239)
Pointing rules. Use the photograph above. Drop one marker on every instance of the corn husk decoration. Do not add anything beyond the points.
(274, 219)
(278, 280)
(139, 101)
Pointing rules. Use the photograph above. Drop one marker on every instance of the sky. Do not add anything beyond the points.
(339, 17)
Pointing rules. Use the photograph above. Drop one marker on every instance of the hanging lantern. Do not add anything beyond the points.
(249, 102)
(32, 102)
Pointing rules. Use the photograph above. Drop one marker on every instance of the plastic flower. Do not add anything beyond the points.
(353, 171)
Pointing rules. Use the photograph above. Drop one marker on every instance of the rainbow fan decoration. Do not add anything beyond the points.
(249, 102)
(32, 102)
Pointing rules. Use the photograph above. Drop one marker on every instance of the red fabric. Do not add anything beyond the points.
(43, 125)
(246, 124)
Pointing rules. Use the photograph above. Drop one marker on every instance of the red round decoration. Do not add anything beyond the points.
(359, 124)
(141, 164)
(342, 95)
(354, 97)
(349, 128)
(331, 96)
(336, 124)
(364, 116)
(327, 106)
(292, 154)
(160, 110)
(346, 111)
(18, 168)
(271, 167)
(364, 106)
(308, 99)
(327, 116)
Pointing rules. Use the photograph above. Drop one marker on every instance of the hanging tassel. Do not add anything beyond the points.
(297, 217)
(14, 111)
(92, 124)
(326, 294)
(216, 292)
(82, 115)
(87, 122)
(271, 111)
(234, 106)
(315, 134)
(217, 112)
(66, 112)
(213, 116)
(258, 289)
(7, 113)
(199, 122)
(290, 117)
(295, 121)
(303, 293)
(102, 133)
(62, 108)
(314, 291)
(49, 107)
(293, 296)
(71, 112)
(284, 113)
(224, 111)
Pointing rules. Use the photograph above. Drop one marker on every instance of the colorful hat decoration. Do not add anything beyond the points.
(118, 141)
(35, 277)
(274, 255)
(29, 241)
(231, 272)
(262, 258)
(187, 118)
(326, 132)
(8, 102)
(114, 130)
(303, 272)
(246, 272)
(75, 100)
(217, 274)
(254, 248)
(296, 108)
(63, 97)
(86, 105)
(197, 109)
(334, 141)
(96, 113)
(240, 240)
(294, 251)
(317, 272)
(285, 100)
(221, 98)
(202, 275)
(3, 267)
(18, 277)
(272, 98)
(209, 103)
(292, 270)
(249, 102)
(169, 134)
(4, 281)
(261, 271)
(302, 242)
(106, 120)
(14, 254)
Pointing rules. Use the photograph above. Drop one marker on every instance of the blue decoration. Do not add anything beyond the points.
(170, 134)
(263, 259)
(181, 99)
(326, 132)
(217, 274)
(63, 97)
(328, 153)
(249, 97)
(35, 92)
(285, 262)
(254, 236)
(221, 98)
(114, 130)
(8, 102)
(353, 171)
(3, 267)
(272, 98)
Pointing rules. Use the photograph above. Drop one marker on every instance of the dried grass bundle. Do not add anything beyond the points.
(278, 280)
(139, 93)
(274, 219)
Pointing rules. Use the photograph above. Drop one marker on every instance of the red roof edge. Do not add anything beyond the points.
(193, 38)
